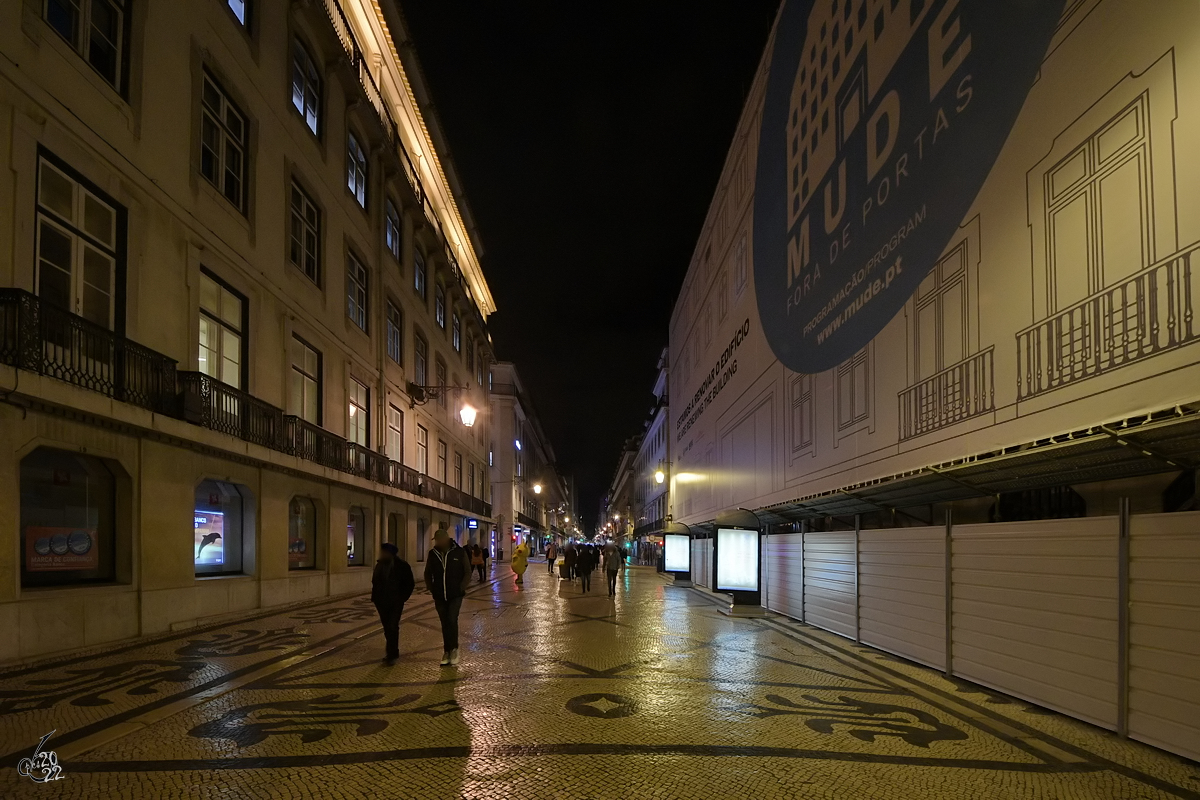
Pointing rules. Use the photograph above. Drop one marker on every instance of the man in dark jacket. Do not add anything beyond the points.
(447, 575)
(391, 586)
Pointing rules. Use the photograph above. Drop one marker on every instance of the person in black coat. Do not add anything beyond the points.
(584, 564)
(391, 586)
(447, 576)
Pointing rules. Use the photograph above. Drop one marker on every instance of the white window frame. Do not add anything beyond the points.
(231, 141)
(356, 169)
(217, 319)
(357, 291)
(304, 236)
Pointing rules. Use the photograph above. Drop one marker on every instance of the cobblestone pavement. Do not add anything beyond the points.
(653, 694)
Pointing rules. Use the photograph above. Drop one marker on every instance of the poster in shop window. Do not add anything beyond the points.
(53, 549)
(209, 539)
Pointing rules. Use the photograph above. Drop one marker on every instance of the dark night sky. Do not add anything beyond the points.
(589, 137)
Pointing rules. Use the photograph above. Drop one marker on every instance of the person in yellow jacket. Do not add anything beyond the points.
(520, 560)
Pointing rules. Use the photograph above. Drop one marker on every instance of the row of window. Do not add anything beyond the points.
(96, 30)
(68, 524)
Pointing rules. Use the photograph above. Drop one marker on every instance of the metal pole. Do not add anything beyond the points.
(1123, 620)
(949, 593)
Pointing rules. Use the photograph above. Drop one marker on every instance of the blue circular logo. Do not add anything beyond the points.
(881, 122)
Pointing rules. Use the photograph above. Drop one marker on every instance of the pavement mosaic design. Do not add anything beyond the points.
(652, 694)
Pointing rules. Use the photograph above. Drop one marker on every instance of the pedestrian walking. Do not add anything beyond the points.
(570, 556)
(391, 585)
(520, 560)
(447, 576)
(551, 557)
(477, 560)
(584, 564)
(614, 560)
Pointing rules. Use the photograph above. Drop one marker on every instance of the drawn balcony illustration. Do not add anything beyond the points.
(958, 392)
(1142, 316)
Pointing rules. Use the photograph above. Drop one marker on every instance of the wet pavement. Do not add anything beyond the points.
(652, 694)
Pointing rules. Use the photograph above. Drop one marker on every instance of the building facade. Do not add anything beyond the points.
(650, 478)
(938, 334)
(243, 310)
(532, 503)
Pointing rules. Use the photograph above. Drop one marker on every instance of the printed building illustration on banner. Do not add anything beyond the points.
(1061, 297)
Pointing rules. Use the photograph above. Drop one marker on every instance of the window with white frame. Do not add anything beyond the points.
(358, 426)
(76, 246)
(221, 336)
(392, 229)
(441, 461)
(304, 250)
(439, 306)
(420, 359)
(395, 433)
(94, 29)
(395, 333)
(422, 449)
(356, 169)
(470, 356)
(456, 332)
(304, 382)
(471, 478)
(419, 272)
(458, 470)
(306, 86)
(223, 143)
(441, 381)
(356, 291)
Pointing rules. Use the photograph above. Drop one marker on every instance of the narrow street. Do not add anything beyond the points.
(655, 693)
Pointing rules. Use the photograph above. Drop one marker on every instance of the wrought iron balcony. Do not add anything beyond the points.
(40, 337)
(958, 392)
(1140, 317)
(220, 407)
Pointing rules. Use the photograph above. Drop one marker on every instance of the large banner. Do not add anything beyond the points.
(944, 228)
(881, 122)
(54, 549)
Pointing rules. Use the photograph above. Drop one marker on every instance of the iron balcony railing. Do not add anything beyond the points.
(957, 393)
(40, 337)
(220, 407)
(1132, 320)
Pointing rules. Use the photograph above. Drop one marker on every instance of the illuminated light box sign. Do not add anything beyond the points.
(737, 560)
(677, 553)
(209, 537)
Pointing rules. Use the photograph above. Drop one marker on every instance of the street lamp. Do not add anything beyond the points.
(537, 488)
(660, 476)
(467, 415)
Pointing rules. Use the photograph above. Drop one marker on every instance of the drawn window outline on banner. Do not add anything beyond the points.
(854, 393)
(801, 418)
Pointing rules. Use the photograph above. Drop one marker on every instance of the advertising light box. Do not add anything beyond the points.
(737, 560)
(677, 553)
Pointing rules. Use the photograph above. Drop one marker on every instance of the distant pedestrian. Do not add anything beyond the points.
(477, 560)
(584, 564)
(520, 560)
(551, 557)
(391, 586)
(447, 576)
(570, 556)
(614, 560)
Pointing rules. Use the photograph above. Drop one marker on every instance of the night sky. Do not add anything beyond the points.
(589, 137)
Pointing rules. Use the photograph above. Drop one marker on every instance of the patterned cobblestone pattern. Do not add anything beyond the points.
(652, 694)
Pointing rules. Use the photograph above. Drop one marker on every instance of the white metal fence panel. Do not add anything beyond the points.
(784, 568)
(1035, 612)
(829, 581)
(902, 592)
(1164, 632)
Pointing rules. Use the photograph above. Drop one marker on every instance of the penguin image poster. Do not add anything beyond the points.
(210, 534)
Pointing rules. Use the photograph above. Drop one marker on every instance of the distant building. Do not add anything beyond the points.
(651, 473)
(243, 309)
(532, 502)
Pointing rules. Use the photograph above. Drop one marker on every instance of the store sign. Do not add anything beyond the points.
(208, 540)
(878, 130)
(53, 549)
(677, 552)
(737, 560)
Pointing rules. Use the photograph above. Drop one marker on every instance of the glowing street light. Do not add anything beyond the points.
(467, 415)
(660, 476)
(537, 488)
